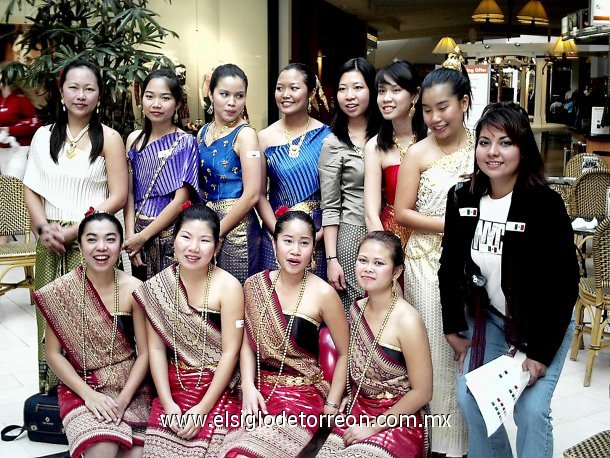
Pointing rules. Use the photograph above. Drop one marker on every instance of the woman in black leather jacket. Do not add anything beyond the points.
(508, 277)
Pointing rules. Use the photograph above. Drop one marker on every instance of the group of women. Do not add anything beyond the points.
(357, 209)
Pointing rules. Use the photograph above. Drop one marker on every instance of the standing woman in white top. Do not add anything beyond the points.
(74, 164)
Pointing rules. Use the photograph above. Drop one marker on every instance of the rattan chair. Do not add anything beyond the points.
(574, 166)
(15, 220)
(589, 193)
(597, 446)
(565, 191)
(594, 296)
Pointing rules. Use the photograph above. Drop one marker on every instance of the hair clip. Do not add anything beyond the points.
(281, 210)
(454, 62)
(89, 212)
(186, 205)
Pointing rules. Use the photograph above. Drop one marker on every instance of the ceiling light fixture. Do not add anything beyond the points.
(533, 13)
(563, 48)
(446, 45)
(488, 11)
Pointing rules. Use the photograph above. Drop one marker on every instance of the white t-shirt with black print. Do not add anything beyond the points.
(487, 244)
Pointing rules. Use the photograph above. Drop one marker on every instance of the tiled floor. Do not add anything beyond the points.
(578, 412)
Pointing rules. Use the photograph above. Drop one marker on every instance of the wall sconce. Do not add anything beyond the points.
(533, 13)
(446, 45)
(488, 11)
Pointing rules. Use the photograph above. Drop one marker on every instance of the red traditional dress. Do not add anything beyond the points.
(157, 298)
(385, 383)
(60, 302)
(389, 182)
(301, 389)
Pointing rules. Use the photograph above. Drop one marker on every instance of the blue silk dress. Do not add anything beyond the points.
(294, 182)
(221, 184)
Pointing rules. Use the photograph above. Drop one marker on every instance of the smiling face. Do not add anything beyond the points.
(393, 100)
(229, 98)
(291, 94)
(443, 111)
(80, 92)
(374, 267)
(100, 244)
(498, 156)
(158, 103)
(294, 246)
(353, 94)
(194, 245)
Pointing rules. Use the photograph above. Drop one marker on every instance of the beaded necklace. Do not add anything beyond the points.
(115, 324)
(369, 358)
(286, 336)
(202, 323)
(216, 136)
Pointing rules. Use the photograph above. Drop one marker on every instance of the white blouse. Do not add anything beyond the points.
(69, 187)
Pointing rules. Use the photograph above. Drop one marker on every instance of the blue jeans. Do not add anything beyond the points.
(532, 412)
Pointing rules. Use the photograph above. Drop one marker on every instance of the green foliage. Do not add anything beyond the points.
(110, 33)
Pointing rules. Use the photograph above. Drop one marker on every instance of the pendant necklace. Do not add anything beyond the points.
(71, 152)
(294, 150)
(357, 149)
(401, 149)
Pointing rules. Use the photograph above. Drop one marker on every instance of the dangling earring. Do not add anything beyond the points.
(214, 261)
(412, 109)
(176, 117)
(394, 292)
(210, 109)
(313, 263)
(97, 108)
(63, 105)
(309, 106)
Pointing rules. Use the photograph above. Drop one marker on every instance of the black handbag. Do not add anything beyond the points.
(41, 421)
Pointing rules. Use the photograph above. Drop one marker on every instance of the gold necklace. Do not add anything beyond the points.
(202, 323)
(295, 150)
(402, 150)
(71, 152)
(369, 358)
(216, 136)
(285, 337)
(441, 148)
(115, 324)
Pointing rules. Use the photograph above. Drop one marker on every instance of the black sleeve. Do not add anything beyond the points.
(451, 271)
(556, 281)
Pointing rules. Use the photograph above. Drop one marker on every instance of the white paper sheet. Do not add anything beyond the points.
(496, 386)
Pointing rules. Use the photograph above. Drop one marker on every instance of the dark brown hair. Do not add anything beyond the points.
(512, 119)
(391, 241)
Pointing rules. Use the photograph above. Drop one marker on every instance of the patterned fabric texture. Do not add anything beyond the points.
(422, 256)
(348, 239)
(285, 440)
(240, 251)
(182, 336)
(49, 267)
(107, 371)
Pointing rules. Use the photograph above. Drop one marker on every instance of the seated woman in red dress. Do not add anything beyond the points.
(195, 313)
(92, 317)
(280, 372)
(389, 366)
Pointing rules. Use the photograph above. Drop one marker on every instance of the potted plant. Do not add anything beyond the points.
(120, 36)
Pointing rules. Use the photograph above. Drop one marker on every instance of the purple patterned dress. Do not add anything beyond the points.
(179, 168)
